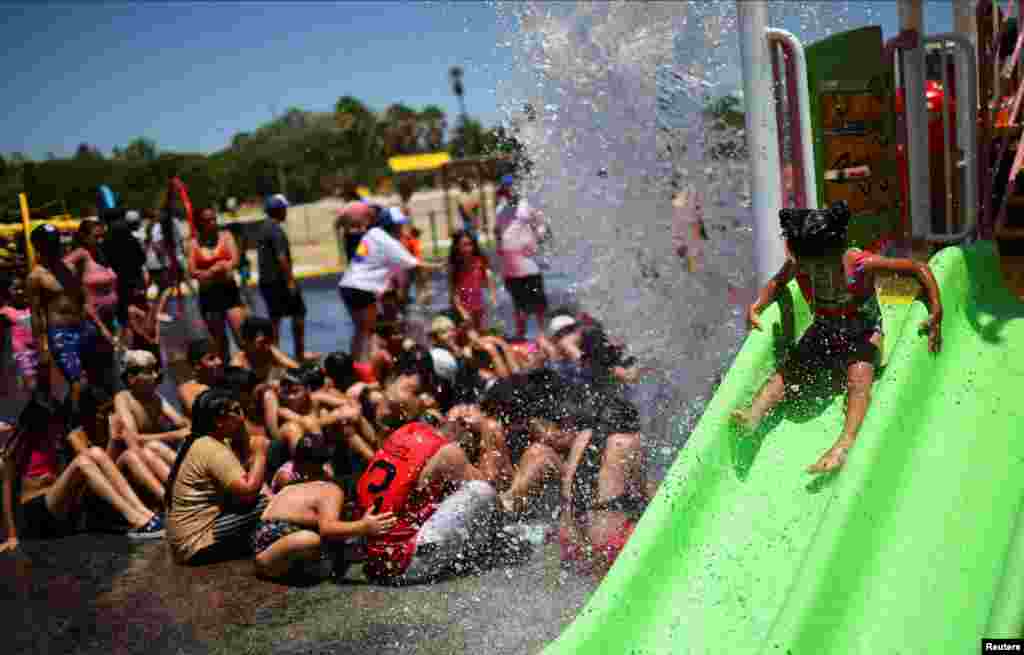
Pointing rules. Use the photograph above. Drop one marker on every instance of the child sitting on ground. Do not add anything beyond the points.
(838, 283)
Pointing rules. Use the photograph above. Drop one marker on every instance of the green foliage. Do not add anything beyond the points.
(299, 153)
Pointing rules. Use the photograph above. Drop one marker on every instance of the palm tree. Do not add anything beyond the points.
(359, 128)
(432, 124)
(400, 131)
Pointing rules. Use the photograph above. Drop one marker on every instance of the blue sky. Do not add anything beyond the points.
(191, 75)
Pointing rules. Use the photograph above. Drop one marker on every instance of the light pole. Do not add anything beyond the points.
(455, 75)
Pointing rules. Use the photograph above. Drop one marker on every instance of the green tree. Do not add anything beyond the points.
(87, 152)
(400, 130)
(432, 124)
(470, 139)
(140, 149)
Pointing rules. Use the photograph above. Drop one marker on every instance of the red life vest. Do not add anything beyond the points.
(389, 485)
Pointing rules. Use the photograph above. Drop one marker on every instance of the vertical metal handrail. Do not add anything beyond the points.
(800, 111)
(916, 112)
(966, 132)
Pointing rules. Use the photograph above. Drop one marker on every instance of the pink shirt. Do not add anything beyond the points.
(22, 339)
(100, 282)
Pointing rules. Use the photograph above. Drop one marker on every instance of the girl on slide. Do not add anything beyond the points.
(838, 283)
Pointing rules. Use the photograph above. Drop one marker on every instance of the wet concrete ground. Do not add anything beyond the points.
(104, 594)
(98, 593)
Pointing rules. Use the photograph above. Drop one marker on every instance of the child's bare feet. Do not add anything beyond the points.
(832, 460)
(744, 418)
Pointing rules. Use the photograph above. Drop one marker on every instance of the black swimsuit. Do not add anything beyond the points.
(584, 486)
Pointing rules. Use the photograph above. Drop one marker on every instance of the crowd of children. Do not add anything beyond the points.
(420, 460)
(418, 457)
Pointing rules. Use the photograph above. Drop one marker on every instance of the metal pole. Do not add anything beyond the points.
(911, 14)
(964, 22)
(762, 137)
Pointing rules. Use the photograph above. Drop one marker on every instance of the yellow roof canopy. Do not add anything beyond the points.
(424, 162)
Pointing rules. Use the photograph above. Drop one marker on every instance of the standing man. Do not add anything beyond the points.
(280, 291)
(518, 228)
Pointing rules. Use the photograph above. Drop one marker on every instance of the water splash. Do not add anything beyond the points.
(618, 90)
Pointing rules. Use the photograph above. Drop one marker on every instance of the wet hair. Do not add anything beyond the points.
(522, 396)
(312, 449)
(46, 240)
(309, 375)
(85, 230)
(256, 326)
(33, 425)
(455, 261)
(92, 397)
(416, 361)
(369, 410)
(207, 408)
(338, 367)
(600, 355)
(815, 232)
(237, 380)
(197, 349)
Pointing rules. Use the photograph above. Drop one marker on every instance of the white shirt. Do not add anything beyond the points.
(518, 227)
(377, 255)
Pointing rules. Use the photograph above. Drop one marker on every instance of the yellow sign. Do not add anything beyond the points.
(425, 162)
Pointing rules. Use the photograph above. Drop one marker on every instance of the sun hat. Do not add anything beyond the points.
(441, 324)
(561, 325)
(277, 201)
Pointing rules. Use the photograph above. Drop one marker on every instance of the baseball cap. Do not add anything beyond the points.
(560, 325)
(445, 366)
(440, 324)
(276, 201)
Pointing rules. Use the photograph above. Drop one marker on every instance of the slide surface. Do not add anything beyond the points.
(914, 547)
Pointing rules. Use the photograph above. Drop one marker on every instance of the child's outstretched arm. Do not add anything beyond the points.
(768, 293)
(923, 273)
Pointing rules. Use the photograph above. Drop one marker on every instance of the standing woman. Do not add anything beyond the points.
(367, 276)
(63, 326)
(212, 261)
(41, 501)
(213, 503)
(100, 284)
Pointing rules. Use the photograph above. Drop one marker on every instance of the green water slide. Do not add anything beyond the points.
(916, 546)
